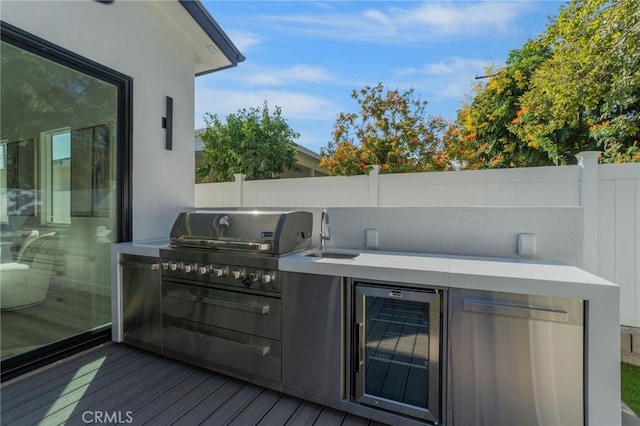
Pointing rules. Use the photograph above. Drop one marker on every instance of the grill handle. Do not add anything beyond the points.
(236, 306)
(225, 245)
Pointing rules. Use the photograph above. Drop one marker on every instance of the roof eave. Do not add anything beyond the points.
(209, 25)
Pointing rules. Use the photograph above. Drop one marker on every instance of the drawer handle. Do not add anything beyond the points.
(257, 349)
(236, 306)
(518, 311)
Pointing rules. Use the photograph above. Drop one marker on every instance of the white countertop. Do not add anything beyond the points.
(141, 248)
(493, 274)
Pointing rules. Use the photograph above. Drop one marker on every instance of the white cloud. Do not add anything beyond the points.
(451, 66)
(427, 21)
(244, 40)
(251, 75)
(444, 79)
(465, 18)
(295, 106)
(272, 76)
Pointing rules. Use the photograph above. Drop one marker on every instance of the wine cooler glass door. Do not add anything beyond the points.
(397, 350)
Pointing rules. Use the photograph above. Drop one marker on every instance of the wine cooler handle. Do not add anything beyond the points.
(359, 346)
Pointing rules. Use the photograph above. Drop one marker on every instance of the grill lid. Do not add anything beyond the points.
(273, 232)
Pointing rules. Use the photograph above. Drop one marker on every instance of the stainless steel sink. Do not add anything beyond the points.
(332, 255)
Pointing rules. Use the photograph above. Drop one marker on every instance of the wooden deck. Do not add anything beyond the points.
(122, 384)
(130, 386)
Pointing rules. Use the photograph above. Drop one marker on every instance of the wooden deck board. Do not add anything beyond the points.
(281, 411)
(180, 392)
(124, 381)
(184, 401)
(305, 415)
(42, 381)
(60, 388)
(146, 404)
(256, 410)
(330, 417)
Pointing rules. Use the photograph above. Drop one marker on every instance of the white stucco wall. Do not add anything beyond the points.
(142, 40)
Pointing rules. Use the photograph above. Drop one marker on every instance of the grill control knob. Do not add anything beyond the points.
(203, 270)
(174, 266)
(255, 276)
(164, 265)
(267, 278)
(187, 267)
(219, 271)
(224, 221)
(237, 274)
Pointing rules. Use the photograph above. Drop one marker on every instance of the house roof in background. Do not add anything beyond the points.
(211, 28)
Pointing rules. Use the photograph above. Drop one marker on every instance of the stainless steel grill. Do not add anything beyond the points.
(250, 231)
(221, 288)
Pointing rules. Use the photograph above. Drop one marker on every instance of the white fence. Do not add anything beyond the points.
(608, 194)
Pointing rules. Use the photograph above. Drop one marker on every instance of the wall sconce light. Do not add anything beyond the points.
(167, 123)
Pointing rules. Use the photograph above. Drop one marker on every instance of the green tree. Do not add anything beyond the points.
(392, 130)
(252, 141)
(575, 88)
(587, 95)
(484, 138)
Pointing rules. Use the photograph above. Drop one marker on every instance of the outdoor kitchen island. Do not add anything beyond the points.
(318, 294)
(463, 279)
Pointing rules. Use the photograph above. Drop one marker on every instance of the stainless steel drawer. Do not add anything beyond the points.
(225, 349)
(247, 313)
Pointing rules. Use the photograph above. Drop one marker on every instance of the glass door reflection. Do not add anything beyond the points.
(397, 335)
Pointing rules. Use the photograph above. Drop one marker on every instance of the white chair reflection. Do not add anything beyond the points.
(25, 282)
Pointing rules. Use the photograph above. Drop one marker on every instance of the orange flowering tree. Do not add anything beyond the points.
(392, 130)
(587, 95)
(574, 88)
(485, 126)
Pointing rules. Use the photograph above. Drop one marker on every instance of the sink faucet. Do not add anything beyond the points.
(325, 234)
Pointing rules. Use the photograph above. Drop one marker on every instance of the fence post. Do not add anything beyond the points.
(374, 173)
(588, 163)
(239, 179)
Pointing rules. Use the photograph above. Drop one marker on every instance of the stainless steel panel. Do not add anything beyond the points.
(260, 231)
(205, 256)
(397, 337)
(244, 312)
(312, 333)
(226, 349)
(515, 359)
(141, 302)
(247, 263)
(493, 307)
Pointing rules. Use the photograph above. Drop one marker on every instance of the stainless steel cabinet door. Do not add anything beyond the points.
(515, 359)
(312, 333)
(141, 304)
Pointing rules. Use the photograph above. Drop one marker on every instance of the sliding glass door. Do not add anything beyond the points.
(61, 145)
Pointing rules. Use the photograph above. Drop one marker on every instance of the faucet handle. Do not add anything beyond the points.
(325, 233)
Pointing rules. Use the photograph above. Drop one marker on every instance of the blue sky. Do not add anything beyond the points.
(307, 56)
